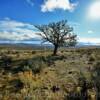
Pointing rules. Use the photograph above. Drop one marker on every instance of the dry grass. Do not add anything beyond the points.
(57, 78)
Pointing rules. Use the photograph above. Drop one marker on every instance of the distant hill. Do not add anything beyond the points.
(39, 46)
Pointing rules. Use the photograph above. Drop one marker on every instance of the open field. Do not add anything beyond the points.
(30, 74)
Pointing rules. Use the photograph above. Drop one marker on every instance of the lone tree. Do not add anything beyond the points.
(57, 33)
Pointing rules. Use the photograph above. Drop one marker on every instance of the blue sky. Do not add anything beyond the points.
(18, 17)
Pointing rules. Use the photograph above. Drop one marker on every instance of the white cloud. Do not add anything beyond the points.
(30, 2)
(51, 5)
(14, 30)
(90, 31)
(94, 10)
(90, 40)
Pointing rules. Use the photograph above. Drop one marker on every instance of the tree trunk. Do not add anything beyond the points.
(55, 49)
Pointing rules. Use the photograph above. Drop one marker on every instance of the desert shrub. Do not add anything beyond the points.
(85, 85)
(14, 52)
(62, 51)
(17, 84)
(29, 98)
(23, 66)
(91, 59)
(55, 88)
(89, 53)
(96, 78)
(73, 96)
(9, 52)
(34, 64)
(33, 52)
(96, 71)
(50, 60)
(6, 61)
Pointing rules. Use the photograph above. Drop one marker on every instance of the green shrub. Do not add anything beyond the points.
(34, 64)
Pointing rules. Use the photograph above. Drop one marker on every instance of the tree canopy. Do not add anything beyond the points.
(57, 33)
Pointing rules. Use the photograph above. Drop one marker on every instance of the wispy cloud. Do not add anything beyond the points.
(90, 31)
(89, 40)
(51, 5)
(30, 2)
(14, 30)
(74, 24)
